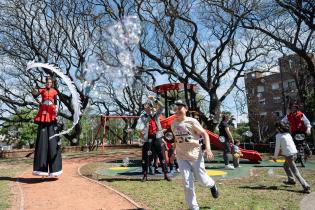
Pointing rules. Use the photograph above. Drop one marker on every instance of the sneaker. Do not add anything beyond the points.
(229, 167)
(307, 190)
(214, 191)
(177, 170)
(291, 182)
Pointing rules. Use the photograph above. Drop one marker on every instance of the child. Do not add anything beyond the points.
(237, 154)
(285, 142)
(187, 131)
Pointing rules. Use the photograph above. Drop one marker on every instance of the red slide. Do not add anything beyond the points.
(251, 155)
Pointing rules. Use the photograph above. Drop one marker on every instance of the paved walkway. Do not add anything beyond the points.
(70, 191)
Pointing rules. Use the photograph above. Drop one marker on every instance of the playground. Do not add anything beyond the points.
(93, 179)
(261, 182)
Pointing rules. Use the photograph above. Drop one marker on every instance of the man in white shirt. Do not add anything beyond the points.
(285, 142)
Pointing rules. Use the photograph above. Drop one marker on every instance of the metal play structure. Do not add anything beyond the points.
(170, 93)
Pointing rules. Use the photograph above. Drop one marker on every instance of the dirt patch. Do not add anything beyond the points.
(70, 191)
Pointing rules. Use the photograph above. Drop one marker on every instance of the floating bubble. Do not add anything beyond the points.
(118, 72)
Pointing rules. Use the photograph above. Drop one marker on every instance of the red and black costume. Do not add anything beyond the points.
(298, 125)
(47, 157)
(47, 109)
(296, 122)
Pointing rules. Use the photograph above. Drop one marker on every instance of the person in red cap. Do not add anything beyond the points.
(299, 124)
(47, 156)
(190, 155)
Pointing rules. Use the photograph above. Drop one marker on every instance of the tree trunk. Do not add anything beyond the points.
(125, 134)
(74, 137)
(214, 110)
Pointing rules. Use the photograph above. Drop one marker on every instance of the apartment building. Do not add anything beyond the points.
(269, 93)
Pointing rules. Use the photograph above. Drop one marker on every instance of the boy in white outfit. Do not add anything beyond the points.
(187, 132)
(285, 142)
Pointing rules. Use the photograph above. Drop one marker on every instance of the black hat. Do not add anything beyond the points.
(180, 103)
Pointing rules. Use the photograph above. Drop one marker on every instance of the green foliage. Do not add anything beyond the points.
(241, 128)
(20, 131)
(309, 105)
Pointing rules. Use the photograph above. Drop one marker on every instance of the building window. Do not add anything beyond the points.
(276, 100)
(275, 86)
(262, 101)
(260, 89)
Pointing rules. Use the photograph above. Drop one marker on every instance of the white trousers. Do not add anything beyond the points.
(189, 170)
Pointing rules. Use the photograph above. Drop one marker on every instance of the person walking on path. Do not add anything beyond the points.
(47, 156)
(285, 142)
(190, 156)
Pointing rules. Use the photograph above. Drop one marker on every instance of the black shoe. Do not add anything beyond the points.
(167, 178)
(144, 178)
(289, 182)
(307, 190)
(156, 171)
(214, 191)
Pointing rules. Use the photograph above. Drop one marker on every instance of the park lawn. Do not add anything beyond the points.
(260, 191)
(10, 168)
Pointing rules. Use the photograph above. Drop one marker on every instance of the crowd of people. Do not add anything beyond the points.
(181, 153)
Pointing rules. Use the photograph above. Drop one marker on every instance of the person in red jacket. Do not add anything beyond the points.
(299, 124)
(47, 156)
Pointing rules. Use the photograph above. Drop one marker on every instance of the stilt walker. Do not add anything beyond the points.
(47, 157)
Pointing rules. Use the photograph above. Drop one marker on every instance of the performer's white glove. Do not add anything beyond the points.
(308, 131)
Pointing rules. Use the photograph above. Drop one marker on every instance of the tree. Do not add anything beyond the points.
(174, 43)
(290, 25)
(23, 132)
(55, 32)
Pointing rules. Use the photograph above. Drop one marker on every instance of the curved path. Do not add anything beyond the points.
(70, 191)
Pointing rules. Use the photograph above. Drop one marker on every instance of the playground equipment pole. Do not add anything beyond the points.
(104, 133)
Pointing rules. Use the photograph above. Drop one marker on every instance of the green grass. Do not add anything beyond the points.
(9, 168)
(260, 191)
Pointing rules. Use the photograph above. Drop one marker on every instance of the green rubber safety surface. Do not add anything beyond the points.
(214, 169)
